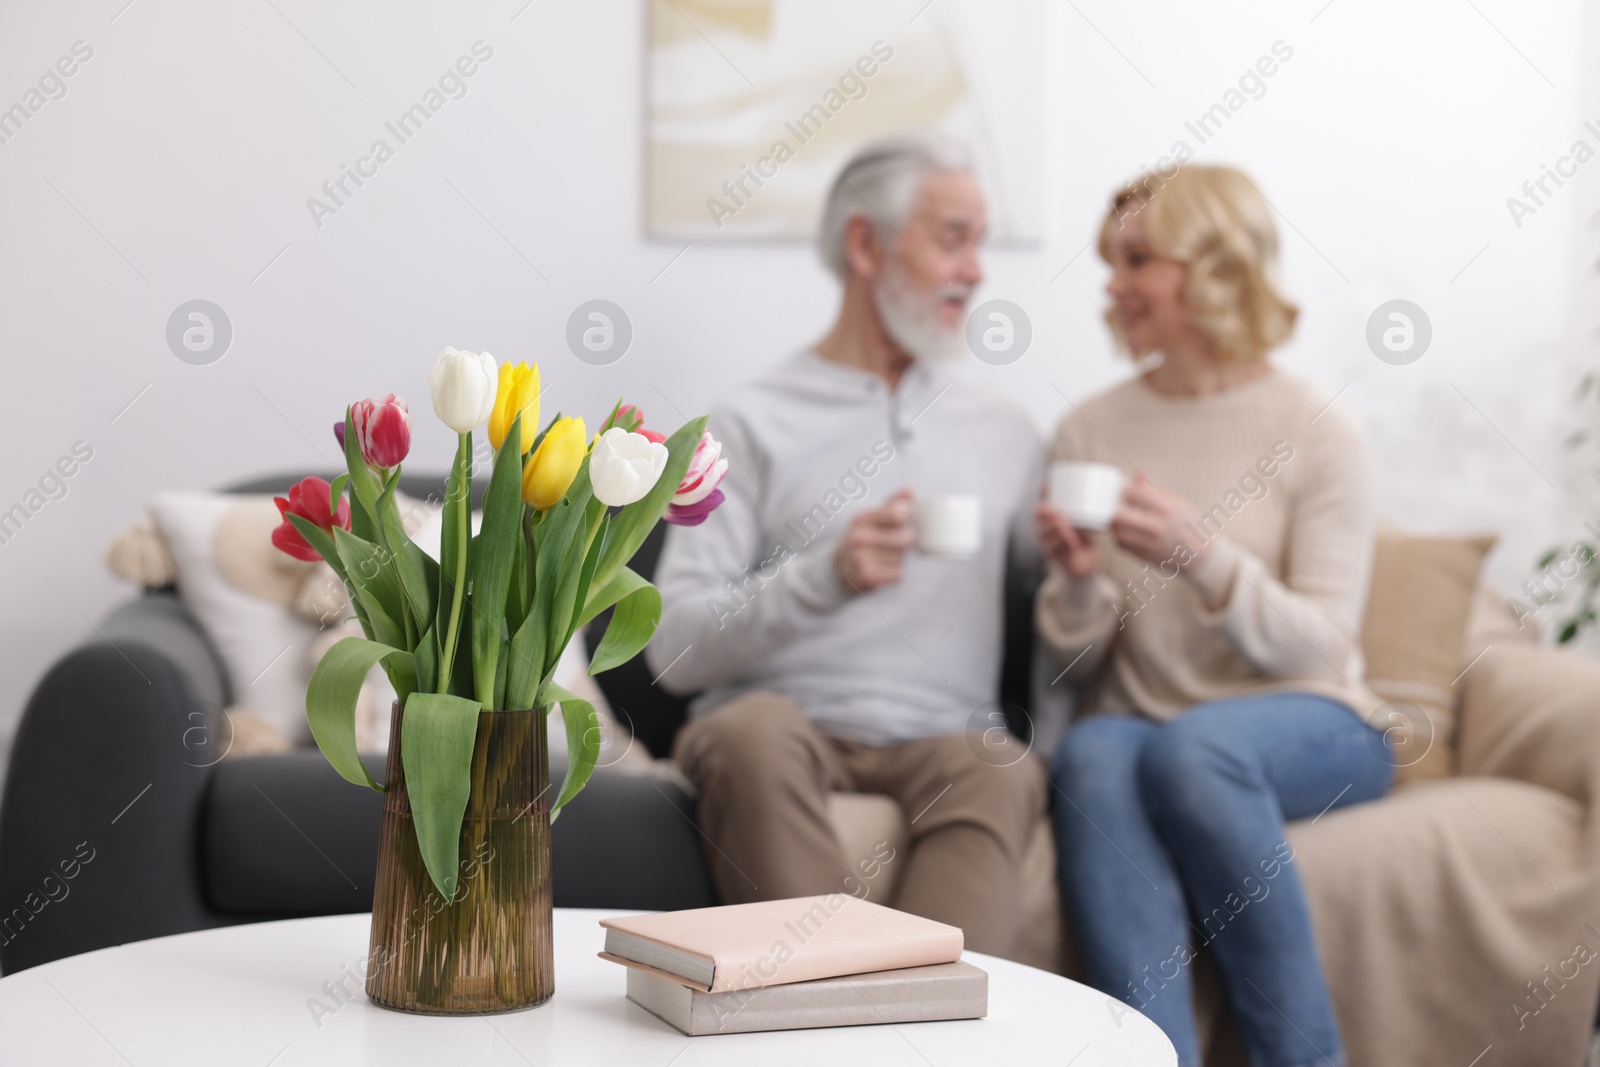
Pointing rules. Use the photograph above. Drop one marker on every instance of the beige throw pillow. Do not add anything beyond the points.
(240, 588)
(1418, 608)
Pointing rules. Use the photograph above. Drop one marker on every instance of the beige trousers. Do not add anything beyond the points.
(764, 775)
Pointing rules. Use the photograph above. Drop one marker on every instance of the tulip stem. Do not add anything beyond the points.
(463, 519)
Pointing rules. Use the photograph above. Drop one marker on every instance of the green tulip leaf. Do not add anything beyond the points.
(569, 556)
(335, 491)
(411, 563)
(598, 521)
(331, 702)
(493, 552)
(318, 539)
(364, 485)
(371, 571)
(437, 734)
(500, 667)
(517, 596)
(583, 741)
(632, 623)
(621, 584)
(525, 659)
(426, 655)
(536, 644)
(611, 419)
(454, 542)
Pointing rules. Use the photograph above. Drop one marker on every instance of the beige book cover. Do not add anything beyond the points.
(909, 995)
(777, 942)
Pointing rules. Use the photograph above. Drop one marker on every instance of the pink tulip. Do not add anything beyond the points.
(629, 417)
(693, 514)
(383, 429)
(698, 495)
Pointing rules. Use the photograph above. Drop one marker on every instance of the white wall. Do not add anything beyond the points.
(179, 164)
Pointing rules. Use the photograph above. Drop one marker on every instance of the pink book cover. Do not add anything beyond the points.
(775, 942)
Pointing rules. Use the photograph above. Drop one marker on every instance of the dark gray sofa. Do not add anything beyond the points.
(114, 751)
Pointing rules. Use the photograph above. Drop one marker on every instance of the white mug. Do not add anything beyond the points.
(1087, 494)
(948, 524)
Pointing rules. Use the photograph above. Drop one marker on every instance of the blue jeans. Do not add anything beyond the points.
(1171, 836)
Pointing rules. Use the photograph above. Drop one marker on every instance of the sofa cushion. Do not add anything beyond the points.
(1418, 607)
(872, 834)
(240, 589)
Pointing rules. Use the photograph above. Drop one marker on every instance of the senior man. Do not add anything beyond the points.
(828, 652)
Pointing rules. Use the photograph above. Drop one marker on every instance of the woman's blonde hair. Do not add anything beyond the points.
(1217, 222)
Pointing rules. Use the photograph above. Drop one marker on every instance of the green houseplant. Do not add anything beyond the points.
(1568, 575)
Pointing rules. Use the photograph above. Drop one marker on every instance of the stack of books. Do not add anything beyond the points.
(793, 964)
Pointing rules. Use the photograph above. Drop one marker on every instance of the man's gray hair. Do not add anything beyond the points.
(880, 183)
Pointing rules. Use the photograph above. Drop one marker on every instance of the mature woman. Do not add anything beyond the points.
(1218, 618)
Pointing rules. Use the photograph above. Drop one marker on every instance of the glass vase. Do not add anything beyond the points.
(487, 949)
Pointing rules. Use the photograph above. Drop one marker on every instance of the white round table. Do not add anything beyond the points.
(244, 995)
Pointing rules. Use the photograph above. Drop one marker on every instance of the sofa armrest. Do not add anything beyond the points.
(106, 776)
(1532, 713)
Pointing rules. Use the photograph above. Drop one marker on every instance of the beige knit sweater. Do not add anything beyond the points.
(1285, 495)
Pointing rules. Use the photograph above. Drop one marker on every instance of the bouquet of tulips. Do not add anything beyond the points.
(483, 626)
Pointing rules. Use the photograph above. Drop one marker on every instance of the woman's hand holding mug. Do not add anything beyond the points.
(1073, 549)
(1081, 497)
(1144, 520)
(1157, 526)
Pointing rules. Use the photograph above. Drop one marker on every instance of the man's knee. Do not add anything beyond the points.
(1010, 792)
(759, 737)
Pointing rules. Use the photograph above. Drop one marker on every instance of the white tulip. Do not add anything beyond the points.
(463, 385)
(623, 466)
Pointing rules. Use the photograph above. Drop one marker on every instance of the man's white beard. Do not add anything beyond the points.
(911, 319)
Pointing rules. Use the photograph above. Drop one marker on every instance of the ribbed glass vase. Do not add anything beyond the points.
(489, 948)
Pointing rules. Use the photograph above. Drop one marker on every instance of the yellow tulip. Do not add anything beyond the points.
(555, 463)
(517, 394)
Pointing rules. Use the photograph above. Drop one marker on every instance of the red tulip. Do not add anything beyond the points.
(383, 429)
(309, 500)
